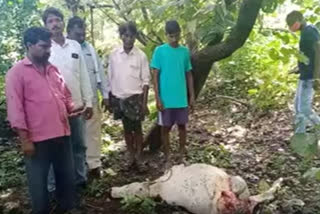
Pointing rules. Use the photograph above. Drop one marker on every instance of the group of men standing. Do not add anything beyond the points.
(53, 102)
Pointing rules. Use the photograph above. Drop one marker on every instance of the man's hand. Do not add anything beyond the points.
(191, 103)
(316, 84)
(77, 111)
(145, 110)
(105, 105)
(295, 70)
(88, 113)
(159, 104)
(28, 148)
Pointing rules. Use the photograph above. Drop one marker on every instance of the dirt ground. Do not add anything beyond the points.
(222, 133)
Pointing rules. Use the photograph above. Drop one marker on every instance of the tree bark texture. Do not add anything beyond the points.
(203, 60)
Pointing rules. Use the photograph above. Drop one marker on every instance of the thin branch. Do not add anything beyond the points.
(116, 5)
(99, 6)
(109, 17)
(141, 38)
(234, 100)
(149, 38)
(275, 29)
(119, 8)
(146, 17)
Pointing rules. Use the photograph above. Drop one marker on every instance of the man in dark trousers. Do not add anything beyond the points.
(39, 104)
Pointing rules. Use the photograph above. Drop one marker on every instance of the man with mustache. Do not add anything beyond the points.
(67, 56)
(38, 105)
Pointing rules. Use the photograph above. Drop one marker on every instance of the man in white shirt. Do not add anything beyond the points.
(67, 56)
(77, 31)
(129, 77)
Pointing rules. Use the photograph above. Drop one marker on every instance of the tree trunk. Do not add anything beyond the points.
(73, 6)
(203, 60)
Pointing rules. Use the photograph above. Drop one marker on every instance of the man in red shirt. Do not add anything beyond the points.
(38, 106)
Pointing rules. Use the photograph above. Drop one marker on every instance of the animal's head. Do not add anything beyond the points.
(239, 187)
(136, 189)
(228, 203)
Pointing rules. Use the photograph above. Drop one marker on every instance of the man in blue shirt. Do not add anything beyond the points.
(309, 70)
(173, 81)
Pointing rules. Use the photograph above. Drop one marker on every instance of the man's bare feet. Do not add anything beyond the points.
(167, 162)
(130, 161)
(182, 154)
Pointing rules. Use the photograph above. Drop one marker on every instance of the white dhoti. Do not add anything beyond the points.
(93, 138)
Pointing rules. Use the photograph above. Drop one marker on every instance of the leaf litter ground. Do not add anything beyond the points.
(250, 144)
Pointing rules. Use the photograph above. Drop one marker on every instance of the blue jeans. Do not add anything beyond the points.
(57, 153)
(303, 106)
(79, 153)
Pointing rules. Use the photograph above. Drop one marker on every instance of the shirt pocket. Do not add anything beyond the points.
(37, 90)
(135, 69)
(74, 64)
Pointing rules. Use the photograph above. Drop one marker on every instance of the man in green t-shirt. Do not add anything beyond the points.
(173, 81)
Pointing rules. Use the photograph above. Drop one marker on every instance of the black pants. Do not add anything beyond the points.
(57, 152)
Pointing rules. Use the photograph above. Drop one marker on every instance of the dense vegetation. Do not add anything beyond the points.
(255, 73)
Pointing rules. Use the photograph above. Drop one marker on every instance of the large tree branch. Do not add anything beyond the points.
(204, 59)
(247, 17)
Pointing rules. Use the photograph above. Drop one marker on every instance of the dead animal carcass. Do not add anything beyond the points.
(200, 188)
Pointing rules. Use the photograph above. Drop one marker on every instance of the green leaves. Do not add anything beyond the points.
(137, 205)
(313, 173)
(260, 70)
(269, 6)
(304, 144)
(12, 171)
(15, 18)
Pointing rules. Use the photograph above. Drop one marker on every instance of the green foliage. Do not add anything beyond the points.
(307, 146)
(98, 187)
(200, 20)
(11, 169)
(16, 16)
(269, 6)
(2, 91)
(304, 144)
(137, 205)
(213, 155)
(313, 173)
(260, 70)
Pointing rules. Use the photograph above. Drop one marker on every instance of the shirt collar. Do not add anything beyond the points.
(27, 61)
(132, 52)
(66, 42)
(84, 44)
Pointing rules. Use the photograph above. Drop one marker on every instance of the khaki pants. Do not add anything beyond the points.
(93, 138)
